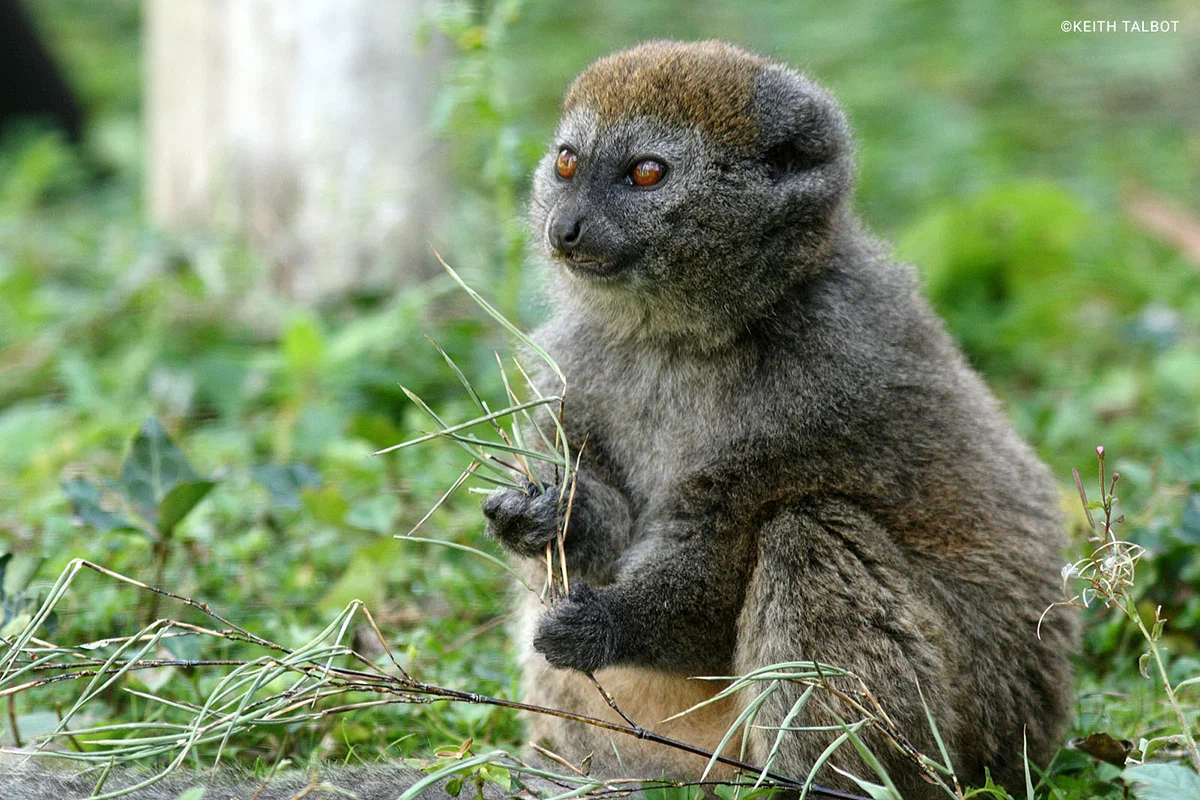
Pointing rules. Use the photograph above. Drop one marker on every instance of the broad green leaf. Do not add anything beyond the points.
(285, 482)
(376, 513)
(1163, 782)
(19, 574)
(325, 504)
(494, 773)
(155, 465)
(179, 501)
(86, 498)
(303, 346)
(367, 577)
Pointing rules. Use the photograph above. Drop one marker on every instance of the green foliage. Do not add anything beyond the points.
(996, 151)
(474, 771)
(1163, 782)
(17, 604)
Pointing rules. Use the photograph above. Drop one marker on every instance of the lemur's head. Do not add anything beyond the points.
(688, 185)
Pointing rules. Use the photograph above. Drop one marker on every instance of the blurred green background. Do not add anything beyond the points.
(1046, 184)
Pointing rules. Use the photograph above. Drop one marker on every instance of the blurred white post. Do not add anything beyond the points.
(302, 124)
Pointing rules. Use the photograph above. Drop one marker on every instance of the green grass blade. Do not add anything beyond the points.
(466, 473)
(796, 708)
(462, 378)
(1025, 758)
(462, 425)
(529, 417)
(937, 736)
(496, 315)
(872, 761)
(750, 710)
(453, 768)
(820, 762)
(537, 455)
(474, 551)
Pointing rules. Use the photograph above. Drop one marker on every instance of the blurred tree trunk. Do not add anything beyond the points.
(301, 124)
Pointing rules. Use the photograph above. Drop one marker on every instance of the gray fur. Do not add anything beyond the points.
(787, 457)
(57, 779)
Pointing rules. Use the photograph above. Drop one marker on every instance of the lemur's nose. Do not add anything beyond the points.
(565, 232)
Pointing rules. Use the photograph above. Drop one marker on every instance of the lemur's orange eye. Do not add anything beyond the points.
(647, 172)
(566, 164)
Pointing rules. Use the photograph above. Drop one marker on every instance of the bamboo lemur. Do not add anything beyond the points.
(787, 457)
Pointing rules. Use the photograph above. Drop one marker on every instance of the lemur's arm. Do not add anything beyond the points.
(674, 606)
(679, 588)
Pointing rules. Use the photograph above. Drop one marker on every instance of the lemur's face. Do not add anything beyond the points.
(620, 202)
(681, 175)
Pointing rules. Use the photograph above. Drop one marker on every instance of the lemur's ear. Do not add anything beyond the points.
(800, 126)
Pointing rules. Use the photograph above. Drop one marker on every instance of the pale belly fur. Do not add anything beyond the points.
(649, 697)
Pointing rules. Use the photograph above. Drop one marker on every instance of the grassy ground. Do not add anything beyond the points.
(1024, 170)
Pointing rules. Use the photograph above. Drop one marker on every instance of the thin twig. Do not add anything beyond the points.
(12, 721)
(608, 698)
(556, 758)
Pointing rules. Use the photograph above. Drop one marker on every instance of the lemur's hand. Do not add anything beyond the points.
(523, 521)
(578, 632)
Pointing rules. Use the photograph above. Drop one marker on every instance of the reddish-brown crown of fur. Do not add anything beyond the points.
(708, 85)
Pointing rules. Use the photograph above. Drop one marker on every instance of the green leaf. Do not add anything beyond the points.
(377, 513)
(184, 648)
(1163, 782)
(155, 465)
(325, 504)
(494, 773)
(286, 482)
(303, 346)
(17, 607)
(367, 577)
(466, 765)
(179, 502)
(194, 793)
(86, 498)
(1025, 758)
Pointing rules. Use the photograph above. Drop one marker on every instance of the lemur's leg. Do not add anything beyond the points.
(830, 586)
